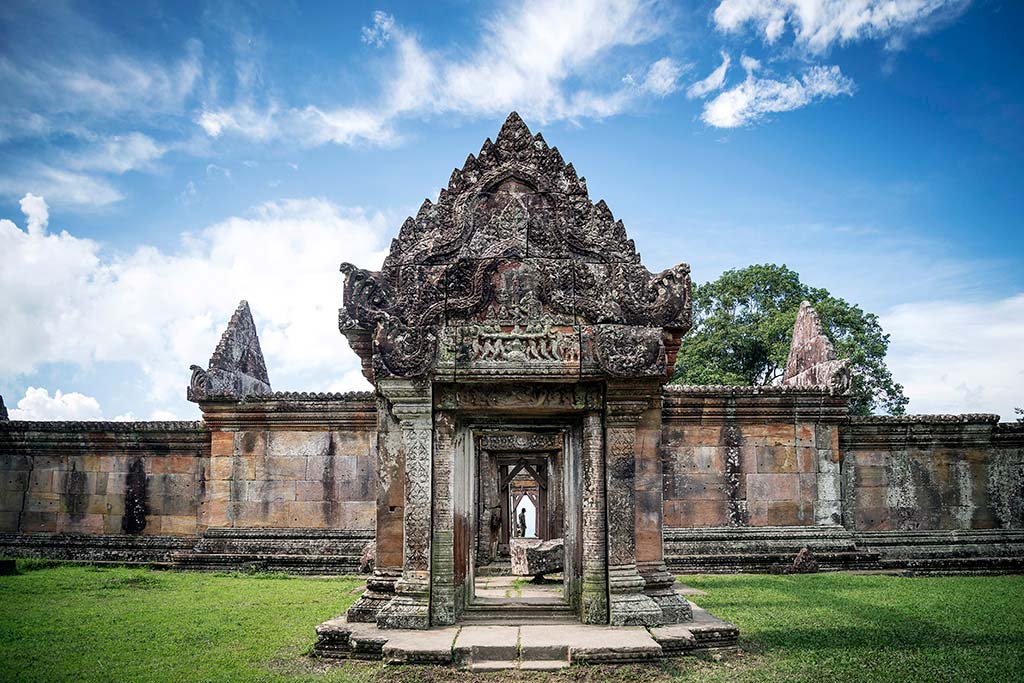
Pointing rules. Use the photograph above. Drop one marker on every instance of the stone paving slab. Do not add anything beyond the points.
(487, 643)
(433, 646)
(584, 643)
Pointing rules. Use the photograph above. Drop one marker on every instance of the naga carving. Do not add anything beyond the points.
(515, 262)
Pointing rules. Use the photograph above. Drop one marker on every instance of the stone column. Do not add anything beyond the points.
(627, 603)
(380, 587)
(410, 405)
(659, 584)
(594, 591)
(442, 563)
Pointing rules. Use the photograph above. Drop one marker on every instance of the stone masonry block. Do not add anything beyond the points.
(297, 444)
(773, 487)
(776, 459)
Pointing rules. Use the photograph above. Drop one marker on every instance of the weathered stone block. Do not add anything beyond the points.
(534, 557)
(297, 444)
(773, 486)
(776, 459)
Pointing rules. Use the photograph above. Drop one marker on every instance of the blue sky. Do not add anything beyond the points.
(161, 161)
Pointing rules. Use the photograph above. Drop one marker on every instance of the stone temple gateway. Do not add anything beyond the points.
(516, 309)
(519, 350)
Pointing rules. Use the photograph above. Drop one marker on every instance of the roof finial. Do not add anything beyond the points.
(237, 368)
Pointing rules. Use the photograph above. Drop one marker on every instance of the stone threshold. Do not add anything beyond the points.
(527, 646)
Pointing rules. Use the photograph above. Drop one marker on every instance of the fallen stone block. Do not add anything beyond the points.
(534, 557)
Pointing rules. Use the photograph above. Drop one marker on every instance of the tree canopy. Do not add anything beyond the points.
(743, 325)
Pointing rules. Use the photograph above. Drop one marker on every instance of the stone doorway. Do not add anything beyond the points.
(514, 462)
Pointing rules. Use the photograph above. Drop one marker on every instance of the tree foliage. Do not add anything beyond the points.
(743, 325)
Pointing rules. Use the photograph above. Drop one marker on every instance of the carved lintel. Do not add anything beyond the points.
(526, 397)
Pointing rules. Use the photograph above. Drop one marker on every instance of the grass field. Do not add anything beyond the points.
(70, 623)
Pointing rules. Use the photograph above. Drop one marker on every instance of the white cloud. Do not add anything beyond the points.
(959, 357)
(37, 213)
(39, 405)
(119, 154)
(714, 81)
(546, 60)
(60, 187)
(663, 77)
(67, 300)
(755, 97)
(820, 24)
(380, 32)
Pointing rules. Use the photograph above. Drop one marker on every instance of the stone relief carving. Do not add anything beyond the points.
(513, 242)
(520, 396)
(521, 442)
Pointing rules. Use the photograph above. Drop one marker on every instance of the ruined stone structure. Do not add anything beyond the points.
(516, 344)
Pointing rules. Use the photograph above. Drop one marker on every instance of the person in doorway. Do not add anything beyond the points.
(522, 522)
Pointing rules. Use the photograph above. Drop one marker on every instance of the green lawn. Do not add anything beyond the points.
(87, 624)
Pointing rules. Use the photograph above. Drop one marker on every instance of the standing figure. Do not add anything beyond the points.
(522, 522)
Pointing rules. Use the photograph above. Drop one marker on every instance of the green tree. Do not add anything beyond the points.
(743, 325)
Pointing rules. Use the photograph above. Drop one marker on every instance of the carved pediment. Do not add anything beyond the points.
(511, 265)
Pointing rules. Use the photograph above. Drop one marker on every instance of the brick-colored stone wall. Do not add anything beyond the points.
(735, 457)
(933, 472)
(292, 461)
(102, 477)
(286, 461)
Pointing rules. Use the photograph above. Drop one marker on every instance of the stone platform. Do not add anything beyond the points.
(527, 646)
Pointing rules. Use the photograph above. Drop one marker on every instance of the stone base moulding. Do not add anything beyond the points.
(525, 646)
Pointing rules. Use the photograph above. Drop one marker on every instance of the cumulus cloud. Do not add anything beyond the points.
(819, 24)
(67, 300)
(713, 82)
(37, 213)
(756, 97)
(543, 59)
(956, 356)
(39, 405)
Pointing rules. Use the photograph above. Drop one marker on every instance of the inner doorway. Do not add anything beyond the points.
(526, 495)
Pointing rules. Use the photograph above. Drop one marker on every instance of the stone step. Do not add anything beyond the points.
(766, 562)
(494, 665)
(957, 565)
(296, 564)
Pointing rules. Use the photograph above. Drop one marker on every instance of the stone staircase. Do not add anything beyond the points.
(295, 551)
(522, 612)
(971, 551)
(528, 646)
(728, 550)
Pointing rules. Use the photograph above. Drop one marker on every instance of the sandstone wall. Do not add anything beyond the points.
(292, 461)
(102, 477)
(750, 456)
(933, 472)
(287, 461)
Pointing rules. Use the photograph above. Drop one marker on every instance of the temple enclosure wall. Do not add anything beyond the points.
(936, 472)
(749, 475)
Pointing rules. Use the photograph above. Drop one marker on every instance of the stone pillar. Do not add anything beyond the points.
(410, 405)
(442, 562)
(594, 591)
(659, 584)
(628, 605)
(380, 587)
